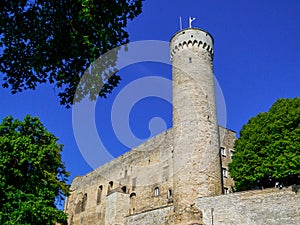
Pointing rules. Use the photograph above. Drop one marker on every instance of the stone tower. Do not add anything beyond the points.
(162, 180)
(196, 143)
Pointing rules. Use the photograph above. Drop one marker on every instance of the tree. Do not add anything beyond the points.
(268, 149)
(32, 175)
(56, 41)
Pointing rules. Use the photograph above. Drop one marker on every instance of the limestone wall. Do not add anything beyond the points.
(196, 143)
(153, 217)
(260, 207)
(227, 138)
(136, 174)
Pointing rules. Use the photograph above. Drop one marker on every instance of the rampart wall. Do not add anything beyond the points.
(258, 207)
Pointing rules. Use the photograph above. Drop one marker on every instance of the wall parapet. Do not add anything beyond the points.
(191, 37)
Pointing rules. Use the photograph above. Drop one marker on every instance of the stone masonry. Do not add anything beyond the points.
(180, 176)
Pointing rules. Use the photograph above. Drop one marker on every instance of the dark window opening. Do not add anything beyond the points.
(156, 191)
(99, 194)
(110, 186)
(169, 193)
(84, 200)
(124, 189)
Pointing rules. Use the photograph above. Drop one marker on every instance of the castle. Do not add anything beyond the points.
(180, 176)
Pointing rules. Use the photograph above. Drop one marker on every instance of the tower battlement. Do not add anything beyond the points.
(191, 37)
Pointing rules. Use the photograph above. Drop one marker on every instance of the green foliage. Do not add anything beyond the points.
(56, 41)
(268, 149)
(32, 174)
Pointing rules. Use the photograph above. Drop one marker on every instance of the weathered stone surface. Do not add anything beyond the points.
(227, 138)
(154, 217)
(176, 177)
(259, 207)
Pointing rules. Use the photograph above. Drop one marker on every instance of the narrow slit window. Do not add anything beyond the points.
(156, 191)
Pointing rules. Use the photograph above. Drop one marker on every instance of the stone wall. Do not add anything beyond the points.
(227, 138)
(135, 174)
(196, 142)
(258, 207)
(171, 169)
(154, 217)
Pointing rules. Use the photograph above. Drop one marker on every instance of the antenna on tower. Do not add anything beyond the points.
(180, 23)
(191, 19)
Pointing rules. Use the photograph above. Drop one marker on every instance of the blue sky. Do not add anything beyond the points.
(257, 60)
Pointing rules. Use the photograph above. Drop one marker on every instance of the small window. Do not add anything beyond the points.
(225, 172)
(132, 203)
(170, 193)
(223, 152)
(226, 191)
(84, 200)
(99, 194)
(190, 60)
(231, 153)
(124, 189)
(110, 187)
(156, 191)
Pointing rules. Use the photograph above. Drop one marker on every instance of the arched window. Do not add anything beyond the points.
(84, 200)
(156, 191)
(78, 203)
(110, 186)
(132, 203)
(99, 194)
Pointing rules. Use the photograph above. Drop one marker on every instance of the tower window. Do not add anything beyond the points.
(156, 191)
(225, 172)
(190, 60)
(226, 191)
(223, 152)
(170, 193)
(231, 153)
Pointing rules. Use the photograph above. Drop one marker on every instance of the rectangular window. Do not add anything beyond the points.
(231, 153)
(226, 191)
(223, 152)
(156, 191)
(225, 172)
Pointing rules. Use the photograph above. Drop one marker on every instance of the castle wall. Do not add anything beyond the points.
(132, 177)
(258, 207)
(153, 217)
(172, 169)
(116, 208)
(227, 138)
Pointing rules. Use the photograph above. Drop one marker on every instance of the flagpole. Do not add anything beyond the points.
(180, 23)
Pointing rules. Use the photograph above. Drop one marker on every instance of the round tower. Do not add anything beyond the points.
(197, 170)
